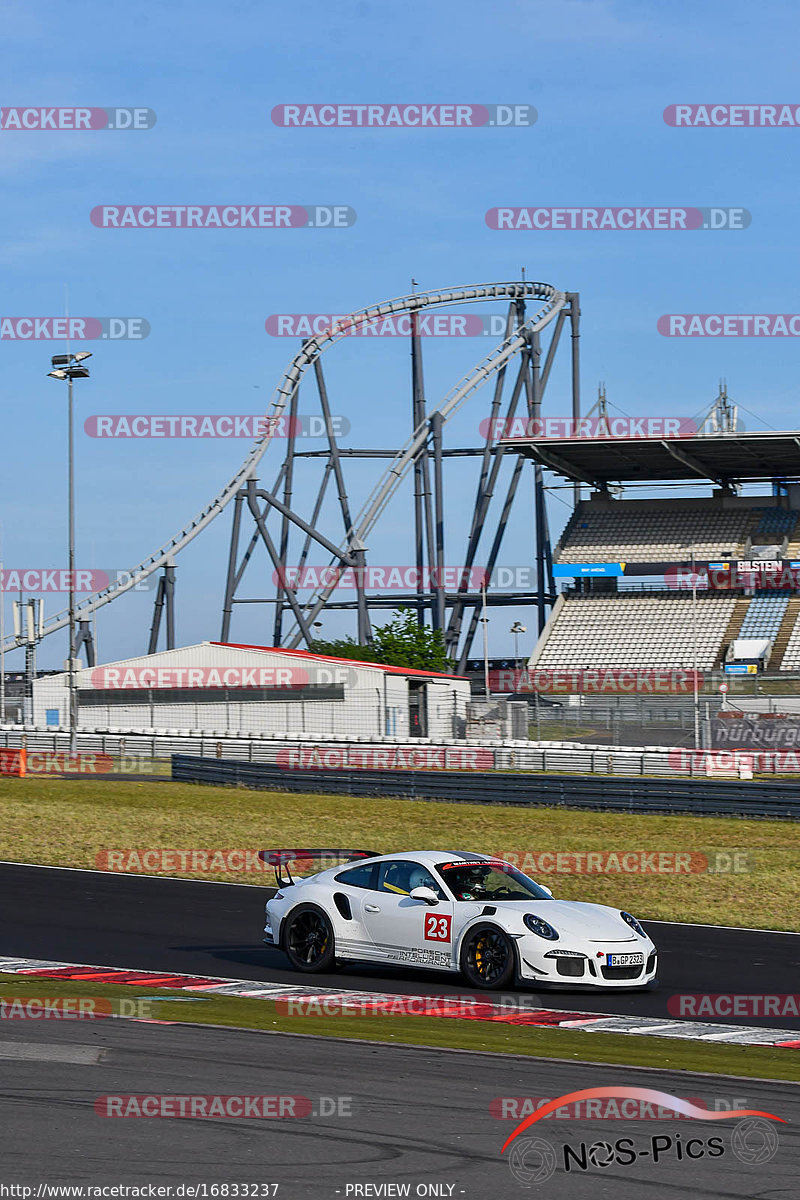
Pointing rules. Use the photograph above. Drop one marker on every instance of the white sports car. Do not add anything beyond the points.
(451, 912)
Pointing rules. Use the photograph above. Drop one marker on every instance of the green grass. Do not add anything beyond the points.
(69, 822)
(657, 1053)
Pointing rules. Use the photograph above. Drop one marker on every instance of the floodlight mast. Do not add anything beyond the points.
(67, 366)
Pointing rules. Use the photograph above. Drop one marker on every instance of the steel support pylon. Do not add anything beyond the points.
(296, 525)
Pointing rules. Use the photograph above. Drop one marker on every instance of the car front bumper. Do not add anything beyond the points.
(585, 969)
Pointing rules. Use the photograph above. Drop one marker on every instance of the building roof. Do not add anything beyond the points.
(353, 662)
(722, 458)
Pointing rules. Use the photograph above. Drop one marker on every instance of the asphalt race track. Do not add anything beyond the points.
(215, 929)
(400, 1116)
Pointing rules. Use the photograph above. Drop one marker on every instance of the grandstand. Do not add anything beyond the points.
(631, 629)
(656, 627)
(602, 621)
(605, 530)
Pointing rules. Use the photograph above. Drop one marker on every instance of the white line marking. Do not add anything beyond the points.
(740, 928)
(44, 1052)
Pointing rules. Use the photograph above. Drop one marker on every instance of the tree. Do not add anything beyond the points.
(343, 648)
(399, 643)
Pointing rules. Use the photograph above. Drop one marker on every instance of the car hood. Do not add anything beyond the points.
(573, 918)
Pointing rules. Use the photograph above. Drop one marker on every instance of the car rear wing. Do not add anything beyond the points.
(328, 856)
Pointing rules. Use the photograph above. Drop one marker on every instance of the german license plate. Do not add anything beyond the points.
(624, 960)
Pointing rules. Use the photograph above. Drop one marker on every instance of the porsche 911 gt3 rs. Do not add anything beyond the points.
(455, 912)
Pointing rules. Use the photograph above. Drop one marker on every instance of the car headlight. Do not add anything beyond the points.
(539, 927)
(634, 924)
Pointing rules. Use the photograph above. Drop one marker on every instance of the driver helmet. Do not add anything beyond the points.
(474, 879)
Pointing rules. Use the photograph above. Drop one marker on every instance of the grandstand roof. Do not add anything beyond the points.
(723, 458)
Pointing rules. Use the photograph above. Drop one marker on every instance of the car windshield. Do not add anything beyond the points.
(489, 881)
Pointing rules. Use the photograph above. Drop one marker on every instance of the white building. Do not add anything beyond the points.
(221, 689)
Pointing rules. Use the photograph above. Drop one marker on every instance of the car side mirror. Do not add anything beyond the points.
(426, 894)
(545, 888)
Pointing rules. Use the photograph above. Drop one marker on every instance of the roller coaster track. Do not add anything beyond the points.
(553, 302)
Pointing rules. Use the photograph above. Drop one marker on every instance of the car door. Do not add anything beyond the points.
(352, 889)
(406, 930)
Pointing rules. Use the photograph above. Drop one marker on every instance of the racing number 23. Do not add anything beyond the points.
(437, 929)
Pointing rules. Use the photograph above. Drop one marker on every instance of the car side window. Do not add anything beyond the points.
(360, 877)
(401, 877)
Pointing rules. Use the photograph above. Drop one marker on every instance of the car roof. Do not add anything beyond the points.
(429, 857)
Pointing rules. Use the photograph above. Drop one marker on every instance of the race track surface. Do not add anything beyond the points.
(215, 929)
(404, 1117)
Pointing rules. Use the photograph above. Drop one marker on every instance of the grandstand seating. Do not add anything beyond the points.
(635, 629)
(764, 616)
(775, 522)
(606, 627)
(791, 657)
(656, 531)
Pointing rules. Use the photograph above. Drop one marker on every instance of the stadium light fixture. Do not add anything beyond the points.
(694, 652)
(517, 628)
(70, 367)
(485, 622)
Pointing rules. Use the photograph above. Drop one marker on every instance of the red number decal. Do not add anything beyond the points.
(437, 929)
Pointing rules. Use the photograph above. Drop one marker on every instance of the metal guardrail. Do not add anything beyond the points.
(132, 750)
(695, 797)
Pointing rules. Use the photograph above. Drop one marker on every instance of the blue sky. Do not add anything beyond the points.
(599, 72)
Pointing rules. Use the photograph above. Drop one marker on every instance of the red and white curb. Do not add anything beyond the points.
(459, 1007)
